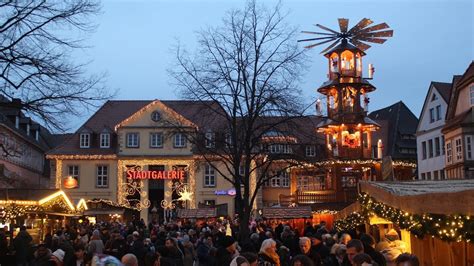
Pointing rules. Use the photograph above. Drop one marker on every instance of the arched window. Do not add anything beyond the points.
(347, 63)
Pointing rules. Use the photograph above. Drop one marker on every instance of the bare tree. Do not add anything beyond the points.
(250, 66)
(37, 38)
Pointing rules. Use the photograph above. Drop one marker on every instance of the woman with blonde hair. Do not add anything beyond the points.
(268, 255)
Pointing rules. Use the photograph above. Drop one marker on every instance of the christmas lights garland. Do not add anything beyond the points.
(446, 227)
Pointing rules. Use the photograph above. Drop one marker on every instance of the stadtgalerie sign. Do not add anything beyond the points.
(174, 174)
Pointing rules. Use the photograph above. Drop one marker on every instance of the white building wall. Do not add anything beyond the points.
(431, 167)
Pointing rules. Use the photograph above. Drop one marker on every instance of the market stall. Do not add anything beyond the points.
(296, 217)
(199, 215)
(40, 210)
(434, 219)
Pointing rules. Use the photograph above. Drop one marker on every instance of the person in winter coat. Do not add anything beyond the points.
(227, 250)
(22, 246)
(203, 248)
(189, 251)
(96, 246)
(268, 255)
(305, 249)
(41, 256)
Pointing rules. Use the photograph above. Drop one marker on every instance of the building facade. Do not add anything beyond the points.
(459, 128)
(23, 144)
(429, 138)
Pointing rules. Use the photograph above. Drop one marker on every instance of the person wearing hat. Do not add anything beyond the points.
(227, 250)
(318, 246)
(58, 257)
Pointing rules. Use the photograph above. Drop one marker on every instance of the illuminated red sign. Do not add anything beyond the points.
(174, 174)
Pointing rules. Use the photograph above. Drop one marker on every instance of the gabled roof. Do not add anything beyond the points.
(112, 113)
(398, 120)
(458, 83)
(443, 89)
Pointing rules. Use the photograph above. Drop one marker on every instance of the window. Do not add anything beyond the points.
(428, 175)
(423, 148)
(105, 140)
(155, 116)
(442, 145)
(365, 139)
(179, 140)
(430, 148)
(471, 93)
(438, 112)
(469, 147)
(449, 152)
(458, 146)
(423, 176)
(210, 202)
(228, 140)
(210, 140)
(275, 181)
(285, 179)
(432, 115)
(156, 140)
(441, 173)
(310, 151)
(209, 176)
(102, 176)
(73, 171)
(133, 140)
(437, 147)
(85, 140)
(434, 97)
(280, 148)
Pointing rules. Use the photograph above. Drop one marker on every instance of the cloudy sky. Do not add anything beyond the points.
(433, 39)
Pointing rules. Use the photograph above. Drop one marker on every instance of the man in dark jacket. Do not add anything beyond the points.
(22, 246)
(369, 244)
(226, 250)
(318, 246)
(305, 249)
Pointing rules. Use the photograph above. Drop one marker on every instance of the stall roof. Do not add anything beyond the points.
(197, 213)
(439, 197)
(25, 194)
(287, 212)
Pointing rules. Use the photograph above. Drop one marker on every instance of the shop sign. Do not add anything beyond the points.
(229, 192)
(174, 174)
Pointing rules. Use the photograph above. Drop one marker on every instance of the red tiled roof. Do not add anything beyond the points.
(287, 212)
(197, 213)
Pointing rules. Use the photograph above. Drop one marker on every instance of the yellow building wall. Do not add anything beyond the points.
(87, 179)
(144, 125)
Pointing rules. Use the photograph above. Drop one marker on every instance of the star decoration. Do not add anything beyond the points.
(185, 195)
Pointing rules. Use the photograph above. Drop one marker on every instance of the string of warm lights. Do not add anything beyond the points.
(112, 203)
(324, 212)
(333, 162)
(446, 227)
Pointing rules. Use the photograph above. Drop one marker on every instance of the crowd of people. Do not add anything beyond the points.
(208, 244)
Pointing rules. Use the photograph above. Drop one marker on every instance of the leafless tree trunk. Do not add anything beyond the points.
(36, 41)
(251, 66)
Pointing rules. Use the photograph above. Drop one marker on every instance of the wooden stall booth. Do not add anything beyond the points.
(40, 210)
(198, 216)
(434, 219)
(296, 217)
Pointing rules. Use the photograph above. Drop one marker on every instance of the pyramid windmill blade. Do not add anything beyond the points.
(326, 28)
(377, 27)
(374, 40)
(360, 45)
(315, 39)
(330, 46)
(386, 33)
(319, 43)
(362, 24)
(343, 23)
(315, 32)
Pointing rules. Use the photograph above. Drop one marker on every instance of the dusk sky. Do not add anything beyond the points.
(433, 40)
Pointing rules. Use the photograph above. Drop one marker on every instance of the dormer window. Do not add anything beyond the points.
(105, 140)
(84, 140)
(210, 139)
(471, 94)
